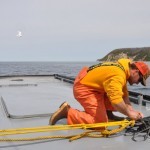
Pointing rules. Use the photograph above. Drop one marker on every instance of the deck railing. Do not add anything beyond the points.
(135, 97)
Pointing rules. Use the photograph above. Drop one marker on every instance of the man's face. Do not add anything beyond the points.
(135, 77)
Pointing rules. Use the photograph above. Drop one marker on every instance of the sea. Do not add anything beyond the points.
(70, 69)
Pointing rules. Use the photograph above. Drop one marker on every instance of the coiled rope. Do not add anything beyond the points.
(97, 130)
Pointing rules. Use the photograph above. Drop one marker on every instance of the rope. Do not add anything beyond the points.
(97, 132)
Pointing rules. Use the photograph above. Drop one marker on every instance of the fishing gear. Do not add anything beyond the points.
(140, 131)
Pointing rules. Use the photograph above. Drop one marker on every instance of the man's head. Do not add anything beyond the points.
(139, 72)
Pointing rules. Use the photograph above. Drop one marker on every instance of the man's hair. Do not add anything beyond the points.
(132, 66)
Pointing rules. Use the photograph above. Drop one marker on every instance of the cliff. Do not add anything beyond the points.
(135, 54)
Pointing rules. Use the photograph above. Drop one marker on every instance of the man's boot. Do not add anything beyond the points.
(61, 113)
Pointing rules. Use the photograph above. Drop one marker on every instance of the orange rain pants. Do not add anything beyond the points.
(94, 102)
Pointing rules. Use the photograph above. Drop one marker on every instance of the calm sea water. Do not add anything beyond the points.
(49, 68)
(40, 68)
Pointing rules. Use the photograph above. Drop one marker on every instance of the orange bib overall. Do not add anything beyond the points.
(94, 102)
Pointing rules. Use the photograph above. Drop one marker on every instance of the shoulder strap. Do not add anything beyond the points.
(109, 64)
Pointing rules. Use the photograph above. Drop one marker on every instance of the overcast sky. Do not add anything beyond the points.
(71, 30)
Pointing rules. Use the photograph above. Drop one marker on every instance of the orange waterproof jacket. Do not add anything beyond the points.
(111, 80)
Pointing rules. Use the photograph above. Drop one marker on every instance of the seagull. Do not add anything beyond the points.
(19, 34)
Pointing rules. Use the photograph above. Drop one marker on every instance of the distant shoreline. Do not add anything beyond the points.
(136, 54)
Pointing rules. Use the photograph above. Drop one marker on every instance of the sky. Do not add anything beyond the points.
(71, 30)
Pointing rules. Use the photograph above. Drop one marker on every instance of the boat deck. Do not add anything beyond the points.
(28, 101)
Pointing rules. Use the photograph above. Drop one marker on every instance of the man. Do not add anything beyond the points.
(101, 89)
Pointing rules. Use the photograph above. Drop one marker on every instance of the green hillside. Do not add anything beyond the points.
(136, 54)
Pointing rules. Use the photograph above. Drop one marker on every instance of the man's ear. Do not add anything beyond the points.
(134, 71)
(137, 70)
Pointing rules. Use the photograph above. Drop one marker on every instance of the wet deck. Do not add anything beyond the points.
(30, 100)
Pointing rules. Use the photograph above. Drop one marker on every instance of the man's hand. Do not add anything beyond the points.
(135, 115)
(128, 110)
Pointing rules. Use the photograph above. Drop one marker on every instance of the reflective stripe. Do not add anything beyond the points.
(101, 64)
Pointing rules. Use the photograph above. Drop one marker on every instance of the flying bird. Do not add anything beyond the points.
(19, 34)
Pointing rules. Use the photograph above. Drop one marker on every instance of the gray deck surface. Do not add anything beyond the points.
(42, 95)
